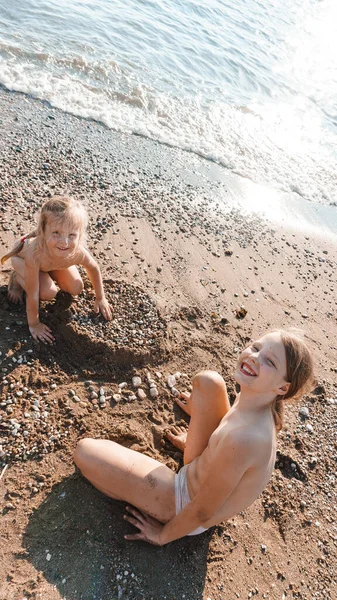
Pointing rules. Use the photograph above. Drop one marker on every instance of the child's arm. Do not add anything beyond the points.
(39, 330)
(94, 274)
(221, 480)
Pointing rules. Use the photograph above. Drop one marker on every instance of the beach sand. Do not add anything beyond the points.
(179, 262)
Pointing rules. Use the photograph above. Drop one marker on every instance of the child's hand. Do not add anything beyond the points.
(105, 308)
(149, 528)
(41, 332)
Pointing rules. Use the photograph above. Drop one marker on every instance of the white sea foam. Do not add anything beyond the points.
(250, 86)
(249, 142)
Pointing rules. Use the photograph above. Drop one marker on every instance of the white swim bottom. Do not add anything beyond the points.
(182, 496)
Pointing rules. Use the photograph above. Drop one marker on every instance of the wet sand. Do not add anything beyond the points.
(171, 241)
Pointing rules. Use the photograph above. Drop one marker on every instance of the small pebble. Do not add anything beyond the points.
(171, 381)
(136, 381)
(141, 394)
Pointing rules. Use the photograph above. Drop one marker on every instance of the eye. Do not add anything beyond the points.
(72, 235)
(255, 347)
(55, 232)
(270, 362)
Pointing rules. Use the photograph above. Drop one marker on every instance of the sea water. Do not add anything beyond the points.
(250, 84)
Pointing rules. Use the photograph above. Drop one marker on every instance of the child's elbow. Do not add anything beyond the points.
(204, 514)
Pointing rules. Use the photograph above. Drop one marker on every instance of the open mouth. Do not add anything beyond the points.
(247, 370)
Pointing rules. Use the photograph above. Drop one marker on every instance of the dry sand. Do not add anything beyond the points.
(178, 263)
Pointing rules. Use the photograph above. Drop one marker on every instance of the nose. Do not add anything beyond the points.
(255, 356)
(64, 239)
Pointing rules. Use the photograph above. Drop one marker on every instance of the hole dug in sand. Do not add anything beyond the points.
(136, 335)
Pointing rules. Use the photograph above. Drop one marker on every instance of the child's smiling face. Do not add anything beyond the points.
(61, 237)
(262, 366)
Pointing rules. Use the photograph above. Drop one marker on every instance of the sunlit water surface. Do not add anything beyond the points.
(249, 84)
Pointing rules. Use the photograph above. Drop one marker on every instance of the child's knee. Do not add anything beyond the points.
(77, 287)
(208, 381)
(74, 287)
(48, 293)
(83, 452)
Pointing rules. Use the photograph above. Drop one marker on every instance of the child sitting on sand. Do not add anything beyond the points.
(47, 256)
(229, 452)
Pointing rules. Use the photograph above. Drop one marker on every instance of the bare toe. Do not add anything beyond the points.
(15, 291)
(177, 436)
(184, 402)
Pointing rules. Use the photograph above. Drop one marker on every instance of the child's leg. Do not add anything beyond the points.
(47, 287)
(127, 475)
(69, 280)
(207, 405)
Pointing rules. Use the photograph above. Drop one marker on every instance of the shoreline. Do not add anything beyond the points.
(158, 190)
(159, 230)
(278, 208)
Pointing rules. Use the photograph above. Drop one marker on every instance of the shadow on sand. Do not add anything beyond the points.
(81, 532)
(74, 350)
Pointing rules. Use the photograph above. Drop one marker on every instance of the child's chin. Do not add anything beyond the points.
(243, 379)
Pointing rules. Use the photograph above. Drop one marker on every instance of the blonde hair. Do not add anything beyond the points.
(61, 208)
(300, 371)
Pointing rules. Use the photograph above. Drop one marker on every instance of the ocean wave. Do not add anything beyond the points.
(281, 145)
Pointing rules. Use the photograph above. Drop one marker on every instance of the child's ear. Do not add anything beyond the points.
(282, 390)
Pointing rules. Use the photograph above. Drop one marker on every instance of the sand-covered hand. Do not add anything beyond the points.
(104, 307)
(42, 333)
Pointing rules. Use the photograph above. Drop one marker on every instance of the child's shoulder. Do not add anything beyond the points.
(84, 256)
(30, 250)
(247, 436)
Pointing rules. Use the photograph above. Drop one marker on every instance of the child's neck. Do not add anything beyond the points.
(249, 401)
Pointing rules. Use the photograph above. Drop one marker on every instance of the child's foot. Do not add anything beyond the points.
(177, 436)
(184, 401)
(15, 291)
